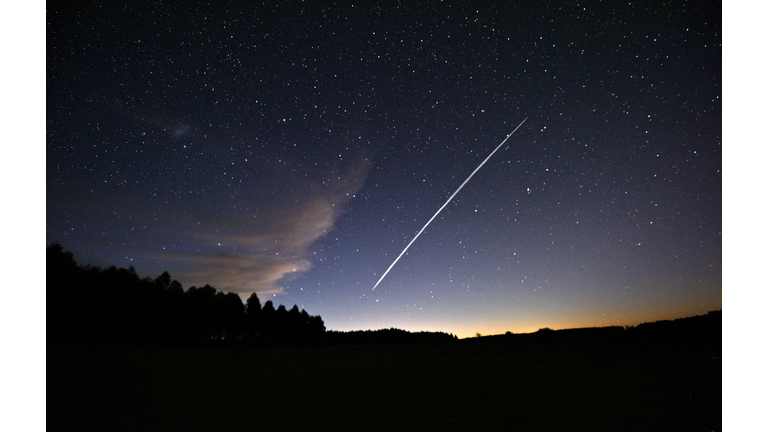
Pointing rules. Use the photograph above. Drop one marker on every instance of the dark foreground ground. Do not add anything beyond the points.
(478, 385)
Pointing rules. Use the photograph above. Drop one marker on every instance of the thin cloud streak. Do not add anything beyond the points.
(240, 272)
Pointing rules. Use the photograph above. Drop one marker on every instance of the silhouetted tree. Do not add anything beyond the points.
(230, 316)
(268, 307)
(176, 287)
(64, 298)
(163, 281)
(173, 313)
(252, 312)
(281, 321)
(254, 305)
(200, 311)
(266, 319)
(295, 327)
(61, 267)
(316, 325)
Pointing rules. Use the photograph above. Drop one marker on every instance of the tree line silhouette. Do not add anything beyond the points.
(385, 336)
(89, 306)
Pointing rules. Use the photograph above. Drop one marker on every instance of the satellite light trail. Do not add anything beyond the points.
(446, 203)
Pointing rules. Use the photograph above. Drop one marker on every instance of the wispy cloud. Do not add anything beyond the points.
(240, 272)
(269, 246)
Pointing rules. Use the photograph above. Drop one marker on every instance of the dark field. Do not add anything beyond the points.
(467, 385)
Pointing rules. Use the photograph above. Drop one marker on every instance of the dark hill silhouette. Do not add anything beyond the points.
(385, 336)
(701, 334)
(697, 335)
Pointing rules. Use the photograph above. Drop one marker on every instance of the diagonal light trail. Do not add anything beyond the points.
(446, 203)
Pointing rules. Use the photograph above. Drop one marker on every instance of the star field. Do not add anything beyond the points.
(293, 149)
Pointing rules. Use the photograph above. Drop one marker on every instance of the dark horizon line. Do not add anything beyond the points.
(543, 329)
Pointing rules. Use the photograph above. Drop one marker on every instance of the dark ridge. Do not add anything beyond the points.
(385, 336)
(697, 335)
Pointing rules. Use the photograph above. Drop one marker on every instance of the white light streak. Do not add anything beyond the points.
(446, 203)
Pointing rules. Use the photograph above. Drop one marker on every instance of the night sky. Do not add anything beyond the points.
(293, 149)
